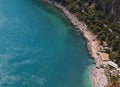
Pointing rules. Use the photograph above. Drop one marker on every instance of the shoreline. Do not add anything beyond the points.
(97, 74)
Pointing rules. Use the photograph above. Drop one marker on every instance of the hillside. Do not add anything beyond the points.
(110, 7)
(102, 18)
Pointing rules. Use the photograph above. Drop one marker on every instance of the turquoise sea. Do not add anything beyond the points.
(40, 48)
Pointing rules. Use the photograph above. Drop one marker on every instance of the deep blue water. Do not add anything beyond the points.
(39, 47)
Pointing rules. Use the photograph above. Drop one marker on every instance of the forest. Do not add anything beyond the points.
(104, 25)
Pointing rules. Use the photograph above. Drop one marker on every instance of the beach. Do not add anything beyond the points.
(98, 76)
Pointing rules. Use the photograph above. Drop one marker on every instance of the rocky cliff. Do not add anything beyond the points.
(111, 7)
(114, 7)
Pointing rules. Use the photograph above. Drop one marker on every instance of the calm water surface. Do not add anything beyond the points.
(39, 48)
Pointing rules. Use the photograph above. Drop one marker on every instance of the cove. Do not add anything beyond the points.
(40, 48)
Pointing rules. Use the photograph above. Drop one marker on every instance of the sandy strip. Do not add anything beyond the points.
(97, 74)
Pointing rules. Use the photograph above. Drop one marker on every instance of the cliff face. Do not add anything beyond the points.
(109, 7)
(115, 7)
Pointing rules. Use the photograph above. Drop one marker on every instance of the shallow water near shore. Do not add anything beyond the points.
(39, 47)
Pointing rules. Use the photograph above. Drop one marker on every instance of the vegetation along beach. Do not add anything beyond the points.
(59, 43)
(101, 31)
